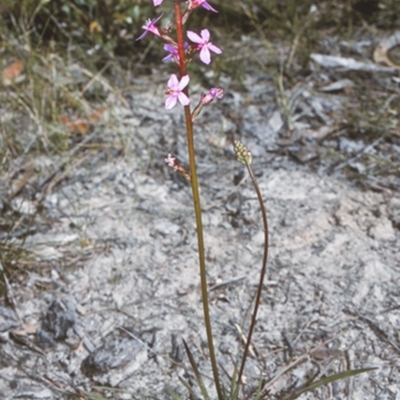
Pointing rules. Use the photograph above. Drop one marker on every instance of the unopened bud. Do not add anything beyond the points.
(176, 166)
(211, 95)
(207, 99)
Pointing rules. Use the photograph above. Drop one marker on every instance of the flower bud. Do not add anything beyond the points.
(211, 95)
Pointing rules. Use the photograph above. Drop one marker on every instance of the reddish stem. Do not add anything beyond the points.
(181, 43)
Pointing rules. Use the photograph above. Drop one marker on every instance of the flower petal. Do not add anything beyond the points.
(214, 48)
(155, 20)
(205, 55)
(170, 102)
(157, 2)
(170, 48)
(184, 82)
(142, 35)
(173, 52)
(205, 34)
(173, 82)
(168, 58)
(194, 37)
(208, 7)
(183, 99)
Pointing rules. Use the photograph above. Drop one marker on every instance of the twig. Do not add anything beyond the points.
(225, 283)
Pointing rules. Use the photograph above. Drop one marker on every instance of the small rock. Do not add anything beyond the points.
(114, 361)
(383, 231)
(59, 318)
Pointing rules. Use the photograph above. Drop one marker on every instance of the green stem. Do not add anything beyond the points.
(262, 274)
(196, 203)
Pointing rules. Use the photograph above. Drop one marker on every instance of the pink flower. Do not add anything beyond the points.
(173, 52)
(157, 2)
(204, 45)
(196, 3)
(175, 93)
(149, 26)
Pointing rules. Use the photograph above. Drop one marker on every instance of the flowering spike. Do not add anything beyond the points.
(243, 155)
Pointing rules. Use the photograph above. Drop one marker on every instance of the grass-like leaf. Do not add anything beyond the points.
(234, 389)
(174, 395)
(188, 387)
(196, 371)
(93, 396)
(325, 381)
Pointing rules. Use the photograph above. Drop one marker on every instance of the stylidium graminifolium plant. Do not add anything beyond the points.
(181, 52)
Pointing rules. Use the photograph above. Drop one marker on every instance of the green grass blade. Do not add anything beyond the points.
(188, 387)
(197, 374)
(234, 389)
(259, 393)
(93, 396)
(325, 381)
(174, 395)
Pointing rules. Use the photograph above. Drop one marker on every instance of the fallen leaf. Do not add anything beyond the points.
(26, 329)
(82, 125)
(79, 125)
(12, 72)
